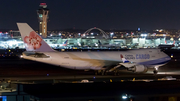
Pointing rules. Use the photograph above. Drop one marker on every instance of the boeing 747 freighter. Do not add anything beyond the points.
(134, 60)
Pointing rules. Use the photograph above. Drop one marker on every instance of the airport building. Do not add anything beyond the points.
(42, 13)
(94, 38)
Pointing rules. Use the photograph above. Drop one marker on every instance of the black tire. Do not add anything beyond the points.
(115, 73)
(96, 73)
(155, 72)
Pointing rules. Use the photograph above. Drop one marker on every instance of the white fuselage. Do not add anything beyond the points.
(97, 60)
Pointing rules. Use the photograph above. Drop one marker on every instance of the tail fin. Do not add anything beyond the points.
(174, 42)
(123, 59)
(32, 41)
(65, 43)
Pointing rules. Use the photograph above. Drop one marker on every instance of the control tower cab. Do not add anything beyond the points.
(42, 13)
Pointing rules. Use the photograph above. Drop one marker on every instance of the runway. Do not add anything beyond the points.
(15, 71)
(20, 69)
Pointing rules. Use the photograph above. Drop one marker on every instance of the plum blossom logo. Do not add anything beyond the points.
(33, 41)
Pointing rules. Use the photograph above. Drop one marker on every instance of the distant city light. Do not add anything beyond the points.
(138, 29)
(172, 39)
(112, 33)
(144, 35)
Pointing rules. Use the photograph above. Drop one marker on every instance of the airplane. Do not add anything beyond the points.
(137, 61)
(168, 46)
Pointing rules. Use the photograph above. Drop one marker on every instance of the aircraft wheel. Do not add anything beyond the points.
(105, 73)
(115, 73)
(102, 72)
(118, 73)
(96, 72)
(155, 72)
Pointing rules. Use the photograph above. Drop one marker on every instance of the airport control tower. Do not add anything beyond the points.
(42, 13)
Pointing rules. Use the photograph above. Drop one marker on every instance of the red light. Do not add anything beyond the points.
(42, 3)
(94, 27)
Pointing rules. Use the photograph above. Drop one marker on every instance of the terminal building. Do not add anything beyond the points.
(93, 38)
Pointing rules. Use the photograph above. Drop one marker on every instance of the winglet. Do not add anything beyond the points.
(32, 41)
(123, 59)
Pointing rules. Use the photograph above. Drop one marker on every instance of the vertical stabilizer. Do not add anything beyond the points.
(65, 43)
(32, 41)
(174, 42)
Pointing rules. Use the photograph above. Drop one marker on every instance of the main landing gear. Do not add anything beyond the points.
(100, 72)
(155, 70)
(105, 72)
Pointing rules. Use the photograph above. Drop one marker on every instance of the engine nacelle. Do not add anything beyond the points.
(139, 69)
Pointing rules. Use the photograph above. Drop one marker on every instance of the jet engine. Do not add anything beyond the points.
(138, 69)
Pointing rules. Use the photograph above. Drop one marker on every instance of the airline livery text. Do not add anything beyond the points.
(138, 56)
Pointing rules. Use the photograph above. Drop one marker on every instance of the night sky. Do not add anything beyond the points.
(85, 14)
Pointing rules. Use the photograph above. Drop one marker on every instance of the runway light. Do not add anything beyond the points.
(21, 56)
(47, 74)
(171, 55)
(124, 96)
(94, 77)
